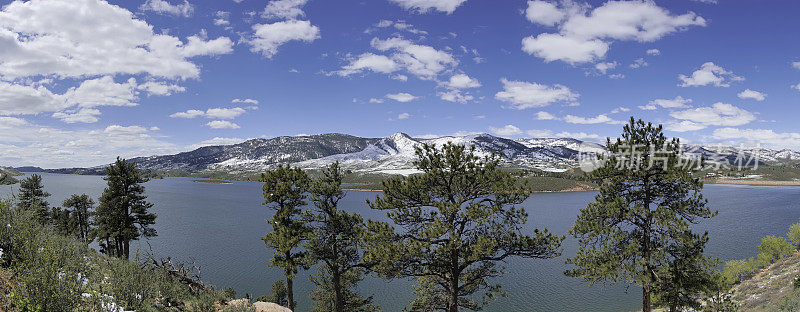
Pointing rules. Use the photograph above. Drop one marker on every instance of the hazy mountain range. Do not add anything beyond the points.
(395, 154)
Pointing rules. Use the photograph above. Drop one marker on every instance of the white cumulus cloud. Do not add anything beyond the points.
(66, 39)
(753, 95)
(602, 118)
(267, 38)
(523, 95)
(719, 114)
(709, 74)
(401, 97)
(222, 124)
(585, 34)
(542, 115)
(507, 130)
(284, 9)
(462, 81)
(214, 113)
(369, 61)
(677, 102)
(424, 6)
(184, 8)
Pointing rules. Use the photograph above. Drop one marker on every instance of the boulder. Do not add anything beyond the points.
(269, 307)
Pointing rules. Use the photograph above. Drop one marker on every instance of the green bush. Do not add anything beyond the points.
(738, 270)
(794, 235)
(772, 249)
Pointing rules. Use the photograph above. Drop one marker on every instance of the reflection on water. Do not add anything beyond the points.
(220, 228)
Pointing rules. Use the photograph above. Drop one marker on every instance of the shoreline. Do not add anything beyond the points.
(569, 190)
(213, 181)
(755, 182)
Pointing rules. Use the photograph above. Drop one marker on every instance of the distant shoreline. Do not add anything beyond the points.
(568, 190)
(755, 182)
(213, 181)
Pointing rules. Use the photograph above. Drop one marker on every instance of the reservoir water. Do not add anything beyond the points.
(219, 227)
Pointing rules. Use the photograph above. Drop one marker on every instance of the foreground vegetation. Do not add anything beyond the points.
(42, 270)
(46, 264)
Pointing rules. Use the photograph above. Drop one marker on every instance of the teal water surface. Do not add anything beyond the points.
(219, 227)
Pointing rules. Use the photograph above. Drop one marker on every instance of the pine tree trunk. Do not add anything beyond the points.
(127, 251)
(452, 302)
(646, 248)
(290, 293)
(119, 250)
(338, 304)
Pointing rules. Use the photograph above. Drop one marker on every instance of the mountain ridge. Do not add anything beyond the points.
(395, 154)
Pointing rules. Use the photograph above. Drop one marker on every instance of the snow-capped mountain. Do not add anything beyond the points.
(258, 154)
(395, 154)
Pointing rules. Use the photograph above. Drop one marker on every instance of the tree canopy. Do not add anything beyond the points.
(458, 220)
(647, 200)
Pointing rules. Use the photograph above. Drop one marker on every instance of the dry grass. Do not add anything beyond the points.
(770, 287)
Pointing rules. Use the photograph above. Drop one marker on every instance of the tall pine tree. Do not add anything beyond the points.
(32, 197)
(459, 220)
(336, 240)
(122, 215)
(285, 191)
(648, 198)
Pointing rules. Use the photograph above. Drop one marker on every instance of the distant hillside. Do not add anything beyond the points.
(256, 154)
(28, 169)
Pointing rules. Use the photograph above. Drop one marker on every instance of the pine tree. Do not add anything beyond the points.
(122, 214)
(285, 191)
(648, 198)
(32, 197)
(336, 240)
(75, 218)
(459, 219)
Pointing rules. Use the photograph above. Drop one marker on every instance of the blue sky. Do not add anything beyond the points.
(82, 81)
